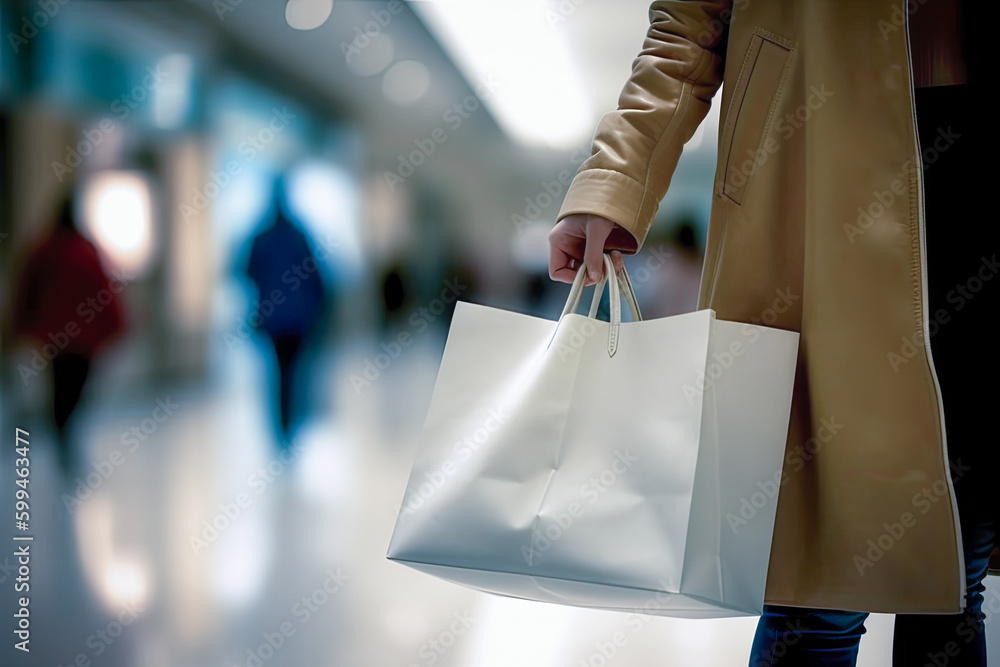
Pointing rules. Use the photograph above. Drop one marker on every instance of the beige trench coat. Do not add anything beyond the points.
(816, 227)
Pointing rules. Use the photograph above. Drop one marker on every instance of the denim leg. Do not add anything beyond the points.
(966, 364)
(952, 640)
(799, 637)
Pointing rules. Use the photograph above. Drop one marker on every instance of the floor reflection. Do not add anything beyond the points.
(202, 547)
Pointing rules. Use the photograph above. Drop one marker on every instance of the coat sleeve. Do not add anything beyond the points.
(668, 94)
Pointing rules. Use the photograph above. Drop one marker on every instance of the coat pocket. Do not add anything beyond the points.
(751, 110)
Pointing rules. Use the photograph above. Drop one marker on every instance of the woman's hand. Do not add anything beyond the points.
(580, 238)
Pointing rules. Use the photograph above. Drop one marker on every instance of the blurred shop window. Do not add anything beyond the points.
(88, 64)
(173, 96)
(117, 214)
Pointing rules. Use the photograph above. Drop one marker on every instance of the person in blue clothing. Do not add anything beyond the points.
(292, 295)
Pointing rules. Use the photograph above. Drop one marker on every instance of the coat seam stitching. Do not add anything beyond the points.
(668, 131)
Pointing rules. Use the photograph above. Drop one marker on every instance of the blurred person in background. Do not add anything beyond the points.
(396, 297)
(291, 296)
(823, 183)
(667, 281)
(69, 306)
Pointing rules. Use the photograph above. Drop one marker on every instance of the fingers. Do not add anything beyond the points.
(617, 260)
(566, 247)
(580, 239)
(598, 230)
(562, 264)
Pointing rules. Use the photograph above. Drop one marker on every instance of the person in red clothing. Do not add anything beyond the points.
(67, 304)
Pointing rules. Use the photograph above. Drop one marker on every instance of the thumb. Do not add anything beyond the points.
(593, 254)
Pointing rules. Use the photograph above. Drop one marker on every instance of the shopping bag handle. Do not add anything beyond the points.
(624, 286)
(621, 283)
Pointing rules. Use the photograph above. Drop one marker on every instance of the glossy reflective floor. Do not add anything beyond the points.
(128, 569)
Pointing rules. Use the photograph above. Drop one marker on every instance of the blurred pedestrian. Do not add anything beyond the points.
(291, 292)
(68, 304)
(396, 297)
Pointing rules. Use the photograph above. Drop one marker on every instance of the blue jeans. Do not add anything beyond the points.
(967, 371)
(799, 637)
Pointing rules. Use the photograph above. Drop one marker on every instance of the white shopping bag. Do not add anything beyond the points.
(631, 466)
